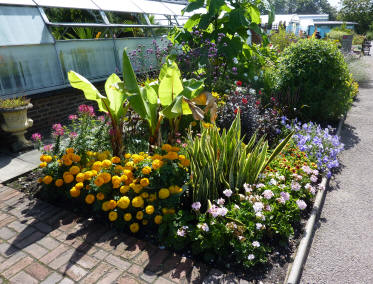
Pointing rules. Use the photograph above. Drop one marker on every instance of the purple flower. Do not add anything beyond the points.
(73, 134)
(268, 194)
(86, 109)
(58, 130)
(301, 204)
(285, 195)
(313, 178)
(48, 148)
(36, 136)
(221, 201)
(73, 117)
(196, 205)
(227, 192)
(258, 207)
(295, 186)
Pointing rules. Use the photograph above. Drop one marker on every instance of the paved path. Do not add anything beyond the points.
(342, 250)
(40, 243)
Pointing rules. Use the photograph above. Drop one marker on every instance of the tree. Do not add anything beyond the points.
(360, 11)
(304, 7)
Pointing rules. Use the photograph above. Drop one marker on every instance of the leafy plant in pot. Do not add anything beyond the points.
(15, 121)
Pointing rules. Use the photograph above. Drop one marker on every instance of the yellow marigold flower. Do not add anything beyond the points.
(113, 216)
(106, 163)
(40, 180)
(94, 173)
(42, 158)
(163, 193)
(101, 156)
(79, 185)
(112, 204)
(149, 209)
(127, 217)
(130, 165)
(174, 189)
(43, 165)
(139, 215)
(166, 147)
(123, 202)
(70, 156)
(144, 182)
(74, 192)
(97, 166)
(88, 187)
(115, 179)
(172, 156)
(145, 222)
(146, 170)
(182, 157)
(105, 206)
(67, 162)
(171, 211)
(123, 178)
(137, 202)
(100, 196)
(116, 184)
(134, 227)
(193, 123)
(80, 177)
(175, 149)
(88, 175)
(47, 179)
(118, 168)
(156, 164)
(152, 197)
(106, 177)
(89, 199)
(59, 182)
(99, 181)
(115, 160)
(164, 211)
(74, 170)
(128, 173)
(76, 158)
(67, 177)
(137, 188)
(158, 219)
(124, 189)
(47, 158)
(185, 163)
(127, 155)
(137, 158)
(69, 150)
(144, 195)
(157, 157)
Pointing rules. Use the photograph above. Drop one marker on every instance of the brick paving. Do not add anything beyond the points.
(40, 243)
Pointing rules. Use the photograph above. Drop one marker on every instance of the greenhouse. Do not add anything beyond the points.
(28, 31)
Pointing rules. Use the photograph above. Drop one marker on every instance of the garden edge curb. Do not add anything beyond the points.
(295, 269)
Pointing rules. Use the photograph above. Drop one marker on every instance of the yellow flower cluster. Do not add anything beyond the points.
(122, 187)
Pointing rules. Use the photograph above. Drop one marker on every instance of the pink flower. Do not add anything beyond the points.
(73, 134)
(268, 194)
(58, 130)
(101, 118)
(295, 186)
(220, 201)
(285, 195)
(178, 141)
(196, 205)
(73, 117)
(48, 148)
(36, 137)
(86, 109)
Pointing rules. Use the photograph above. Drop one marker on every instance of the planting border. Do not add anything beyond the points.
(295, 269)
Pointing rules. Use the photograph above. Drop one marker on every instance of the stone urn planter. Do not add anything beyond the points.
(16, 122)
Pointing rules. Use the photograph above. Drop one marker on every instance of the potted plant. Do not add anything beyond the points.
(15, 121)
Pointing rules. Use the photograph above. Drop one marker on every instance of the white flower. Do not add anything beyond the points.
(204, 227)
(228, 192)
(301, 204)
(250, 256)
(247, 188)
(313, 178)
(235, 60)
(315, 172)
(223, 211)
(297, 177)
(273, 181)
(282, 178)
(258, 207)
(252, 92)
(260, 215)
(245, 74)
(268, 194)
(258, 226)
(236, 207)
(256, 78)
(196, 205)
(321, 186)
(280, 200)
(256, 244)
(260, 185)
(307, 186)
(182, 231)
(285, 195)
(295, 186)
(221, 201)
(307, 169)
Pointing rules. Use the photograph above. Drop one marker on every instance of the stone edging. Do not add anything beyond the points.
(295, 269)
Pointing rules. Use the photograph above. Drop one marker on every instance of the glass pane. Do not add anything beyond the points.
(18, 2)
(175, 8)
(120, 6)
(22, 70)
(22, 25)
(93, 59)
(146, 54)
(153, 7)
(81, 4)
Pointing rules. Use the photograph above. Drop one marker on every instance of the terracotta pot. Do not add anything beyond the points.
(16, 122)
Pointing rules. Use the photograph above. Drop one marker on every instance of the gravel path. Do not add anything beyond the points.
(342, 249)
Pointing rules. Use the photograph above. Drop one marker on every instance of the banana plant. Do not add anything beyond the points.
(220, 161)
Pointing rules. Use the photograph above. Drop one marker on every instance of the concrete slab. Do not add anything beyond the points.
(32, 157)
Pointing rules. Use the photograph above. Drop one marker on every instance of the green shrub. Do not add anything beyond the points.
(314, 81)
(282, 39)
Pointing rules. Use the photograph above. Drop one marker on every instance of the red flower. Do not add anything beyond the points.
(235, 111)
(257, 102)
(239, 83)
(260, 92)
(236, 92)
(244, 101)
(273, 99)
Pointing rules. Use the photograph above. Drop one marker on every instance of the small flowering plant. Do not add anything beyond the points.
(318, 143)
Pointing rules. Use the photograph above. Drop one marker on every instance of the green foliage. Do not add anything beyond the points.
(220, 161)
(314, 81)
(338, 33)
(215, 43)
(14, 102)
(281, 39)
(360, 11)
